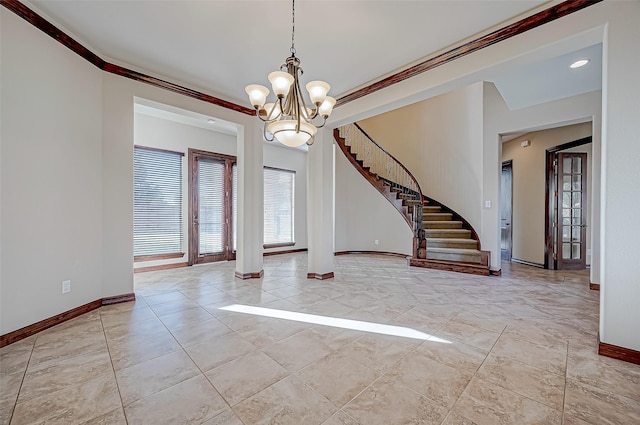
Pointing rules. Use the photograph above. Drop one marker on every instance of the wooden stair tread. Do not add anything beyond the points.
(455, 250)
(448, 231)
(440, 221)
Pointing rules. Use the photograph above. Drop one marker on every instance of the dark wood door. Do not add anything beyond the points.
(571, 219)
(210, 207)
(506, 204)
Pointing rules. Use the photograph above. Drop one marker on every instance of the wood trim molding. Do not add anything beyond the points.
(176, 88)
(245, 276)
(49, 322)
(530, 22)
(390, 254)
(620, 353)
(288, 251)
(594, 286)
(119, 299)
(160, 267)
(548, 15)
(54, 32)
(153, 257)
(278, 245)
(320, 276)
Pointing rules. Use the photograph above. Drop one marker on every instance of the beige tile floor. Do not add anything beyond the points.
(517, 349)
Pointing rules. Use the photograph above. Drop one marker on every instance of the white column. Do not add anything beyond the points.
(320, 206)
(250, 203)
(620, 174)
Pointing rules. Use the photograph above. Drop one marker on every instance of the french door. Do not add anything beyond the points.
(571, 218)
(210, 207)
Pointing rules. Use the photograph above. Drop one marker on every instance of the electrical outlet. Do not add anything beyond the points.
(376, 242)
(66, 286)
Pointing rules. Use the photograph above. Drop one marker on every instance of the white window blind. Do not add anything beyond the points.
(157, 202)
(211, 206)
(278, 206)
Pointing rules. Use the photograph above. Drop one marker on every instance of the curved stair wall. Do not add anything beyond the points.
(442, 239)
(359, 210)
(440, 141)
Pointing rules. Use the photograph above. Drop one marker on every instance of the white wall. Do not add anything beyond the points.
(439, 140)
(165, 134)
(51, 184)
(529, 184)
(620, 295)
(363, 215)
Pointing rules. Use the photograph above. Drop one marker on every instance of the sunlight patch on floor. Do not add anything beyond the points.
(335, 322)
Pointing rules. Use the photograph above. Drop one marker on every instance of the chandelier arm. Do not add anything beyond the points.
(270, 118)
(324, 121)
(266, 135)
(305, 114)
(258, 115)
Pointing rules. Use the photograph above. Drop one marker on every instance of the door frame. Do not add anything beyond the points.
(572, 264)
(551, 192)
(508, 164)
(228, 253)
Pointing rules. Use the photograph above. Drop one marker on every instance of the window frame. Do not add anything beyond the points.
(293, 190)
(167, 255)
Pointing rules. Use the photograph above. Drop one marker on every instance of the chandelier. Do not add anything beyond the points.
(289, 120)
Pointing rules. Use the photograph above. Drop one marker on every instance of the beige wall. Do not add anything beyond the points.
(439, 140)
(363, 215)
(529, 181)
(51, 182)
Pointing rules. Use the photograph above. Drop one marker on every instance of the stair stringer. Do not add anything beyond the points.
(375, 181)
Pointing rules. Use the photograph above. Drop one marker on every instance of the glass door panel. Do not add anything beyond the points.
(210, 207)
(572, 226)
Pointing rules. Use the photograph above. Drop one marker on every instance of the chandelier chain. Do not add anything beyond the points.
(293, 27)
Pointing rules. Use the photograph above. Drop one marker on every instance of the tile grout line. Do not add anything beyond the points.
(24, 375)
(566, 376)
(475, 373)
(113, 369)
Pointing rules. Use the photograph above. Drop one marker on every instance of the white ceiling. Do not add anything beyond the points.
(219, 47)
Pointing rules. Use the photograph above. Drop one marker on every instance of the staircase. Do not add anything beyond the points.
(442, 239)
(449, 243)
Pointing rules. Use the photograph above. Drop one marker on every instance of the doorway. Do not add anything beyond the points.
(506, 205)
(211, 218)
(566, 207)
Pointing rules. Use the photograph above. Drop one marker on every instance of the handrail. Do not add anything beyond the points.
(386, 172)
(374, 161)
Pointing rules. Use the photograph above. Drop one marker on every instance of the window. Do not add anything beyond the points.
(157, 203)
(278, 207)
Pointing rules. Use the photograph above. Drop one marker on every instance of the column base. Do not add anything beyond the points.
(320, 276)
(254, 275)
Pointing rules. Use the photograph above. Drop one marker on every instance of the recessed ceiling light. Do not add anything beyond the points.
(578, 64)
(211, 121)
